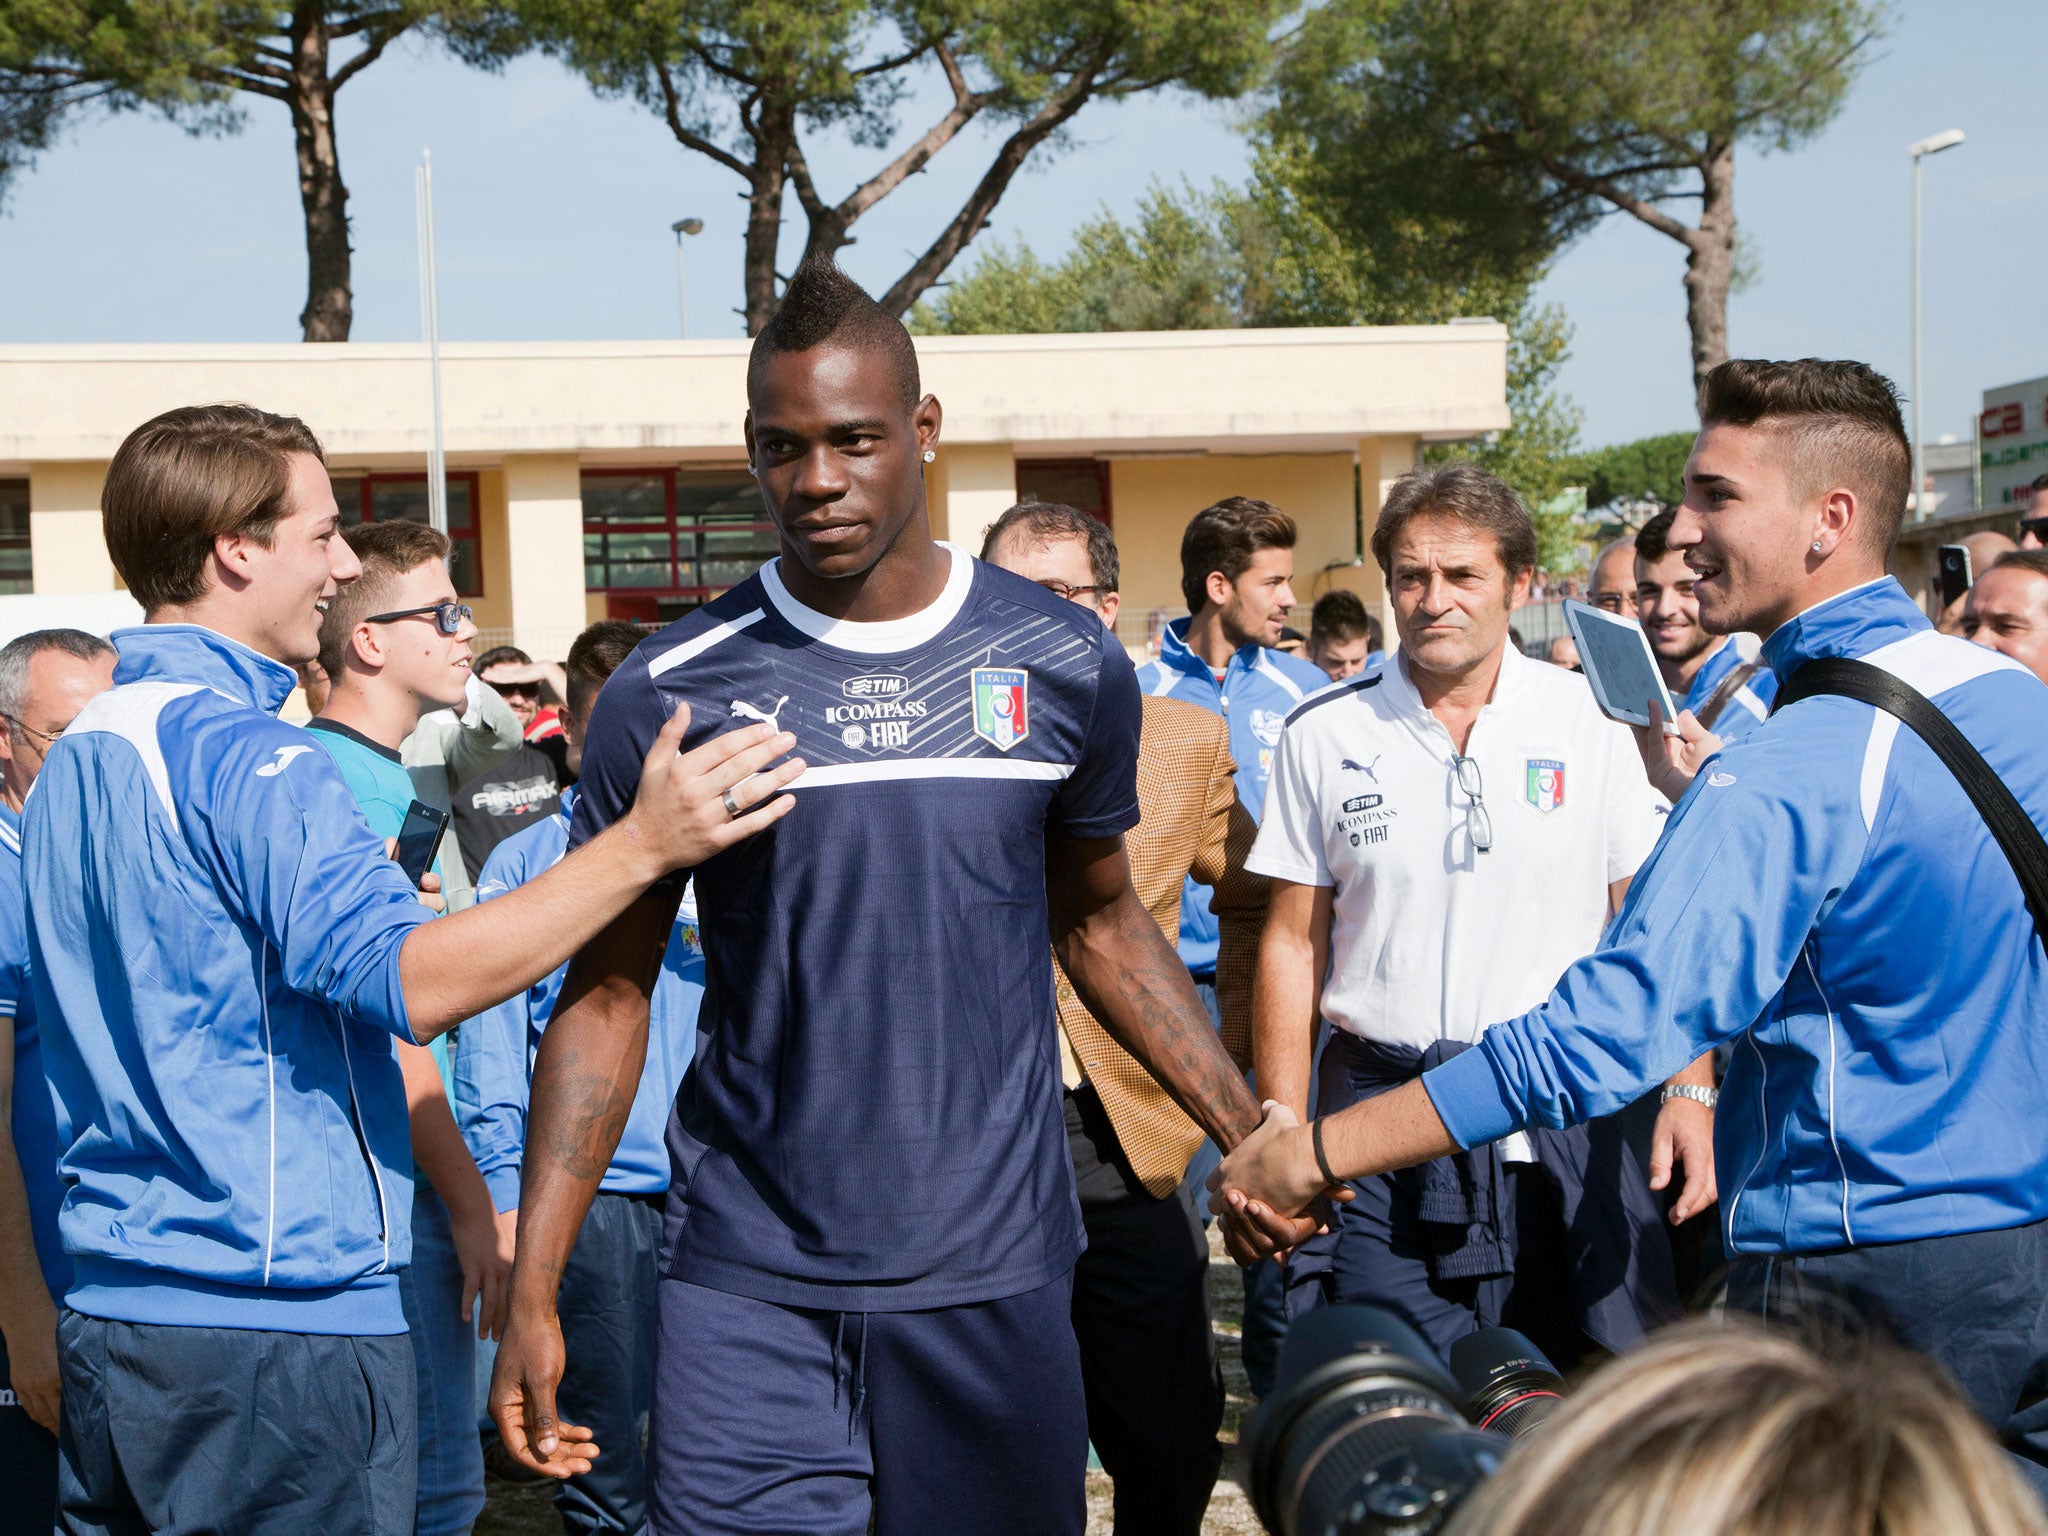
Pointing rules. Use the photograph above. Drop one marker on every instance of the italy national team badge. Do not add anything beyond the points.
(1001, 695)
(1543, 783)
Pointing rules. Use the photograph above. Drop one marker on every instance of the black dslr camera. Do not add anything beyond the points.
(1367, 1434)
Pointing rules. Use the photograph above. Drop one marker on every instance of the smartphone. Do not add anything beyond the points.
(418, 838)
(1952, 572)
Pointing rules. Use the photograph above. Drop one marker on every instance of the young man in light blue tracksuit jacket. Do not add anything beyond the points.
(608, 1297)
(1825, 897)
(1236, 574)
(222, 956)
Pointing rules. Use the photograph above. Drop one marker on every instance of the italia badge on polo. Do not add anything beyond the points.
(1543, 783)
(1001, 696)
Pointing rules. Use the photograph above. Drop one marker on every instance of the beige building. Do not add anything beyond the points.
(594, 479)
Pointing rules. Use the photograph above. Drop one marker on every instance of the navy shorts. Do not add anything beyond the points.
(234, 1431)
(809, 1423)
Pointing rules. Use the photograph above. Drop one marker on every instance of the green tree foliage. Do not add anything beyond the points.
(1496, 131)
(1193, 260)
(750, 84)
(197, 59)
(1648, 469)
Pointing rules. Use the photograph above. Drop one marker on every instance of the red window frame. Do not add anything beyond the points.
(642, 603)
(468, 538)
(1098, 469)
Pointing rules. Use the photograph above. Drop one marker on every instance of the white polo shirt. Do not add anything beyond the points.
(1431, 939)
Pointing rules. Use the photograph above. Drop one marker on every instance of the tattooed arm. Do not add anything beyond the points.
(584, 1078)
(1131, 979)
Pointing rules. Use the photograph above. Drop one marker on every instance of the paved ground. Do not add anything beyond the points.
(528, 1512)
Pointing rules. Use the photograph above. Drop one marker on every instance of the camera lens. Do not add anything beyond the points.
(1357, 1391)
(1508, 1386)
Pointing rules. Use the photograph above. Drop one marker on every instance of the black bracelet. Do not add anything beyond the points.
(1315, 1135)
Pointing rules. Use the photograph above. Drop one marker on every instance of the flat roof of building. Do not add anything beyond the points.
(1235, 391)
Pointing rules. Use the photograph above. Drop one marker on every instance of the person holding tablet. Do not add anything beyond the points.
(1881, 1128)
(1452, 830)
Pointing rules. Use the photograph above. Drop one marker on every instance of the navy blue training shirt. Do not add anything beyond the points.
(875, 1123)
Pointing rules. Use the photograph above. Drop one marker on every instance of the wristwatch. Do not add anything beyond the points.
(1693, 1091)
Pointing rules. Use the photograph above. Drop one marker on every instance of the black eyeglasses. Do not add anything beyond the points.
(1478, 825)
(1061, 589)
(2037, 526)
(448, 617)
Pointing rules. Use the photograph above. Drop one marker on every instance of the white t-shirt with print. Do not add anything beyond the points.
(1430, 938)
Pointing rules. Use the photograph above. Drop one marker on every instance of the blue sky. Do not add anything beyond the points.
(554, 208)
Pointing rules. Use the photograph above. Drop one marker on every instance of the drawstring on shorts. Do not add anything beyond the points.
(857, 1390)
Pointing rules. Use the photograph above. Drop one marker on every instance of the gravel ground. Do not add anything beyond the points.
(512, 1511)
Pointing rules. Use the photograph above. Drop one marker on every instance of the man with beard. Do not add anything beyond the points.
(1706, 673)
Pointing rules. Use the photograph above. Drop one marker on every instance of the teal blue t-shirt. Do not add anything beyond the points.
(376, 776)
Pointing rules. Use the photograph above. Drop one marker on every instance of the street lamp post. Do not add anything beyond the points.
(683, 227)
(1919, 151)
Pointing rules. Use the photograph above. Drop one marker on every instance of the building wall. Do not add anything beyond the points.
(66, 547)
(1151, 501)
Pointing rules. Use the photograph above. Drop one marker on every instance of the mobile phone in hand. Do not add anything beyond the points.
(418, 837)
(1952, 572)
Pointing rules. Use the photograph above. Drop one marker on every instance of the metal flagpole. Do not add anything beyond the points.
(430, 324)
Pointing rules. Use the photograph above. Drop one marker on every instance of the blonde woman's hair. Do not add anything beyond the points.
(1724, 1430)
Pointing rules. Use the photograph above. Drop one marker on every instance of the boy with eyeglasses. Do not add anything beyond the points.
(1451, 831)
(395, 646)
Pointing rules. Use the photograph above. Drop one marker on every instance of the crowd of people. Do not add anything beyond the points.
(792, 1095)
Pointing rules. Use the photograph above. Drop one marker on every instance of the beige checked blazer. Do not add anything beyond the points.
(1191, 823)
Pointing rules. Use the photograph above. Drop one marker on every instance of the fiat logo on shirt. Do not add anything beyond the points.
(1543, 783)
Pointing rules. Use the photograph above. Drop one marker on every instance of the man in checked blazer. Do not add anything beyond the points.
(1141, 1297)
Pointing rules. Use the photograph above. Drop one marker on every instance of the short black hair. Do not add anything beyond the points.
(594, 656)
(2035, 560)
(498, 656)
(1465, 493)
(1653, 539)
(822, 304)
(1042, 522)
(1338, 615)
(1224, 537)
(1844, 425)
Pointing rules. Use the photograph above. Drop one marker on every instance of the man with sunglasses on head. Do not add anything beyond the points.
(1445, 835)
(395, 647)
(522, 789)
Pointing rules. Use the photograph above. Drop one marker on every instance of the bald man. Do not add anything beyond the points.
(1613, 586)
(1985, 550)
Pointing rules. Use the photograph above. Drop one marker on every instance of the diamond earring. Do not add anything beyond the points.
(929, 455)
(1816, 546)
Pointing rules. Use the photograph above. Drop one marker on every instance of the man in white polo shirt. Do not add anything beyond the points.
(1445, 836)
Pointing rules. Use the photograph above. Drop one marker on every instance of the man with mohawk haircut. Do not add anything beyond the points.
(872, 1227)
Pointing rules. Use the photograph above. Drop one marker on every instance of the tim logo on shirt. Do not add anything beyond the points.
(1543, 783)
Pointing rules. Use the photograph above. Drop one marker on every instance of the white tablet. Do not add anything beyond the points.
(1619, 664)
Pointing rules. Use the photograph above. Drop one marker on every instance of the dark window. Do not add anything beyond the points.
(380, 498)
(1082, 484)
(16, 568)
(658, 542)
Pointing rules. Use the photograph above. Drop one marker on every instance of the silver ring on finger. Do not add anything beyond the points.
(732, 806)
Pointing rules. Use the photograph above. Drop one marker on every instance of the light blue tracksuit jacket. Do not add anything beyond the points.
(1259, 688)
(214, 935)
(493, 1075)
(1826, 896)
